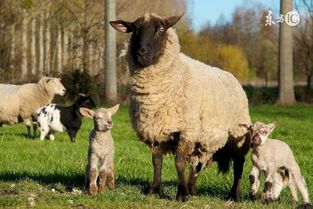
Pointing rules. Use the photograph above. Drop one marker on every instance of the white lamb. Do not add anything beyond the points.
(19, 102)
(276, 159)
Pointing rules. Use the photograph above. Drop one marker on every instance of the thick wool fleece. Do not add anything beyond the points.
(179, 94)
(22, 100)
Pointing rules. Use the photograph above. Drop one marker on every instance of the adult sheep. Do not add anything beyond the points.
(19, 102)
(182, 106)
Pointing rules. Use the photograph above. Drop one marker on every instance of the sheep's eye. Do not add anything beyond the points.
(161, 29)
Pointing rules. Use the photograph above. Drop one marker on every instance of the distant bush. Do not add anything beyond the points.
(269, 95)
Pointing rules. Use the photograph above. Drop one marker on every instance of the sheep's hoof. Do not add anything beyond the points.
(93, 189)
(155, 190)
(232, 195)
(253, 196)
(182, 194)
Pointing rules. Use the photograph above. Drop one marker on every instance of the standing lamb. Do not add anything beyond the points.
(52, 117)
(19, 102)
(100, 151)
(183, 106)
(272, 156)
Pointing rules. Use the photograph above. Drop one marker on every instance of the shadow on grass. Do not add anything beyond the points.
(78, 179)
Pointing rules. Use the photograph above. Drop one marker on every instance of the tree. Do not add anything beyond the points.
(110, 53)
(285, 81)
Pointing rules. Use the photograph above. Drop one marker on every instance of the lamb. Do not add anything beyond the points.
(277, 160)
(19, 102)
(100, 151)
(52, 117)
(182, 106)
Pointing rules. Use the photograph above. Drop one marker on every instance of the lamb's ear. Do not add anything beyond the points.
(122, 26)
(171, 21)
(114, 109)
(88, 113)
(247, 126)
(271, 127)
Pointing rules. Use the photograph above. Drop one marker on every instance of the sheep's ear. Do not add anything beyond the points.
(271, 127)
(171, 21)
(122, 26)
(88, 113)
(247, 126)
(114, 109)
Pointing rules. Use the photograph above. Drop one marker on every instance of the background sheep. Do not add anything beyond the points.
(181, 105)
(18, 102)
(52, 117)
(101, 150)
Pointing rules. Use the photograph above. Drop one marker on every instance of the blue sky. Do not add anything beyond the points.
(202, 11)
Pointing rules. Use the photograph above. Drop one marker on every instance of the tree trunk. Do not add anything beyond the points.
(59, 53)
(110, 53)
(65, 48)
(286, 88)
(48, 45)
(12, 52)
(33, 46)
(24, 45)
(41, 46)
(308, 81)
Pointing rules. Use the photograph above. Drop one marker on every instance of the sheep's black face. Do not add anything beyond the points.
(85, 101)
(148, 37)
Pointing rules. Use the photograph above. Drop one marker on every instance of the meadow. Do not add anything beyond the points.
(50, 174)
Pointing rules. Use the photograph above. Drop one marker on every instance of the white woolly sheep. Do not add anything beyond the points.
(19, 102)
(274, 156)
(183, 106)
(100, 151)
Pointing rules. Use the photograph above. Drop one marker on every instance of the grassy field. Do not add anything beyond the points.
(48, 171)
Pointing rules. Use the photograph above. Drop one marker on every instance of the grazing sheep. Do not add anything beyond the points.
(101, 150)
(274, 156)
(52, 117)
(18, 102)
(182, 106)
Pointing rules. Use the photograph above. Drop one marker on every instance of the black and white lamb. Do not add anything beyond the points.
(54, 118)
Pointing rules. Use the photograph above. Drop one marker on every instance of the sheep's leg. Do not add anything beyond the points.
(34, 129)
(182, 189)
(72, 134)
(238, 168)
(157, 160)
(301, 184)
(192, 181)
(87, 180)
(93, 175)
(28, 124)
(254, 182)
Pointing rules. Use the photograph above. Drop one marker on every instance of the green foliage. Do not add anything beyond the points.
(34, 168)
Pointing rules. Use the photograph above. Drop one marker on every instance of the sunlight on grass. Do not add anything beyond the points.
(31, 167)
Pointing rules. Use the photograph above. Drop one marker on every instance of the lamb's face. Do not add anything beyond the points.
(148, 37)
(260, 132)
(103, 118)
(53, 85)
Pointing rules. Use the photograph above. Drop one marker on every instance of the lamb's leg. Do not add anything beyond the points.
(93, 175)
(278, 185)
(44, 130)
(293, 188)
(254, 182)
(269, 182)
(301, 184)
(182, 189)
(238, 168)
(157, 160)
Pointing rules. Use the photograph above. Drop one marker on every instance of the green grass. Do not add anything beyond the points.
(34, 168)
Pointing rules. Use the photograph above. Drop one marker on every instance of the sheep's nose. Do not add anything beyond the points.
(110, 122)
(143, 51)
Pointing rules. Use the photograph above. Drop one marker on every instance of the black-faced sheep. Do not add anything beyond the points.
(182, 106)
(100, 151)
(52, 117)
(19, 102)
